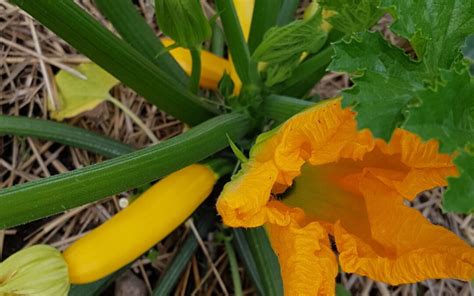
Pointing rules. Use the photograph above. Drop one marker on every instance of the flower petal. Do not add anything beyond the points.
(307, 263)
(428, 167)
(404, 246)
(243, 200)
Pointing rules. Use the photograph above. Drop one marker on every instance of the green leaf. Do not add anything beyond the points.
(445, 113)
(183, 21)
(118, 58)
(62, 133)
(385, 81)
(436, 29)
(237, 152)
(136, 32)
(460, 194)
(352, 15)
(77, 95)
(33, 200)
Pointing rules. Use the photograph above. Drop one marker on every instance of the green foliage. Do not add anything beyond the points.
(385, 79)
(238, 49)
(276, 73)
(459, 197)
(352, 15)
(114, 55)
(283, 43)
(430, 96)
(445, 113)
(282, 47)
(436, 29)
(134, 30)
(341, 290)
(183, 21)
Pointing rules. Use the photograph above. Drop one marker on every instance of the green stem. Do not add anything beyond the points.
(196, 70)
(280, 108)
(306, 75)
(218, 40)
(37, 199)
(245, 67)
(62, 133)
(220, 166)
(204, 221)
(287, 12)
(135, 118)
(136, 32)
(247, 258)
(265, 15)
(266, 260)
(234, 268)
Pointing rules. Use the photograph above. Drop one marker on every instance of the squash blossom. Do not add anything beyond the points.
(317, 177)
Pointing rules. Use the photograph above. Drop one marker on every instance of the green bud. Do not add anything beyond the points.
(183, 21)
(35, 271)
(281, 44)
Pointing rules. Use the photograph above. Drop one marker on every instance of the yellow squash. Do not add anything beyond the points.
(212, 69)
(138, 227)
(244, 9)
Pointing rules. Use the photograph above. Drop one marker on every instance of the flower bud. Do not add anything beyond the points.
(183, 21)
(39, 270)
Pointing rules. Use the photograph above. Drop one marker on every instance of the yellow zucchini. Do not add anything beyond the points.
(134, 230)
(212, 69)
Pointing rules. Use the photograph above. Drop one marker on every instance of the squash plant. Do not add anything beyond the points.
(272, 63)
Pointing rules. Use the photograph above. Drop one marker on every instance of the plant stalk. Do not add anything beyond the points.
(196, 70)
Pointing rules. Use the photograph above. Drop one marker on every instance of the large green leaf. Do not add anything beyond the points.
(445, 113)
(436, 29)
(117, 57)
(460, 194)
(385, 81)
(352, 15)
(23, 203)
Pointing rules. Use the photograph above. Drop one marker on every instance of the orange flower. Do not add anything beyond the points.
(317, 175)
